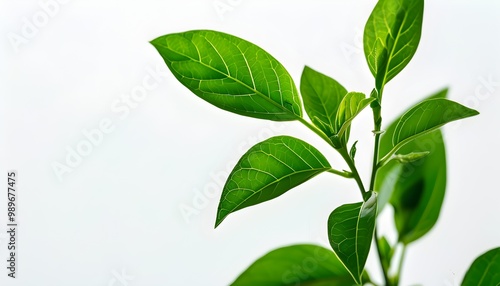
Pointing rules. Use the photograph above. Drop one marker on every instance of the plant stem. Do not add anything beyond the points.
(344, 174)
(316, 130)
(379, 252)
(377, 123)
(400, 266)
(344, 153)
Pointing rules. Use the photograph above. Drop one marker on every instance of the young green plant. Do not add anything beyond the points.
(409, 162)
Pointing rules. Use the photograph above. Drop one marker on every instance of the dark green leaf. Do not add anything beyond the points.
(296, 265)
(350, 106)
(391, 37)
(268, 170)
(350, 231)
(231, 73)
(322, 96)
(485, 270)
(426, 116)
(416, 190)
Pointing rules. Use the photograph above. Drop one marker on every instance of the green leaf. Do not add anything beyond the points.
(231, 73)
(391, 37)
(322, 96)
(301, 264)
(386, 252)
(352, 104)
(485, 270)
(385, 182)
(350, 231)
(426, 116)
(268, 170)
(416, 189)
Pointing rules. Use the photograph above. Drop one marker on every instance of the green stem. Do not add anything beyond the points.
(345, 154)
(316, 130)
(379, 252)
(344, 174)
(377, 123)
(400, 266)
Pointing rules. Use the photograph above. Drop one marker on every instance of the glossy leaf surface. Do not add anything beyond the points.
(231, 73)
(352, 104)
(485, 270)
(268, 170)
(350, 231)
(296, 265)
(391, 37)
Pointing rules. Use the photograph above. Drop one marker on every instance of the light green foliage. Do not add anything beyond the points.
(409, 160)
(485, 270)
(350, 231)
(231, 73)
(302, 264)
(391, 37)
(268, 170)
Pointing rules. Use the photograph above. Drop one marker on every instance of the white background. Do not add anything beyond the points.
(116, 218)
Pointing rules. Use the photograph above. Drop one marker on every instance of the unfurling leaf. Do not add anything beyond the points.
(352, 104)
(231, 73)
(296, 265)
(268, 170)
(350, 232)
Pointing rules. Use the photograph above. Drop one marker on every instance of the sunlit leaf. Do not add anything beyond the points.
(415, 189)
(322, 96)
(352, 104)
(391, 37)
(268, 170)
(485, 270)
(296, 265)
(231, 73)
(350, 231)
